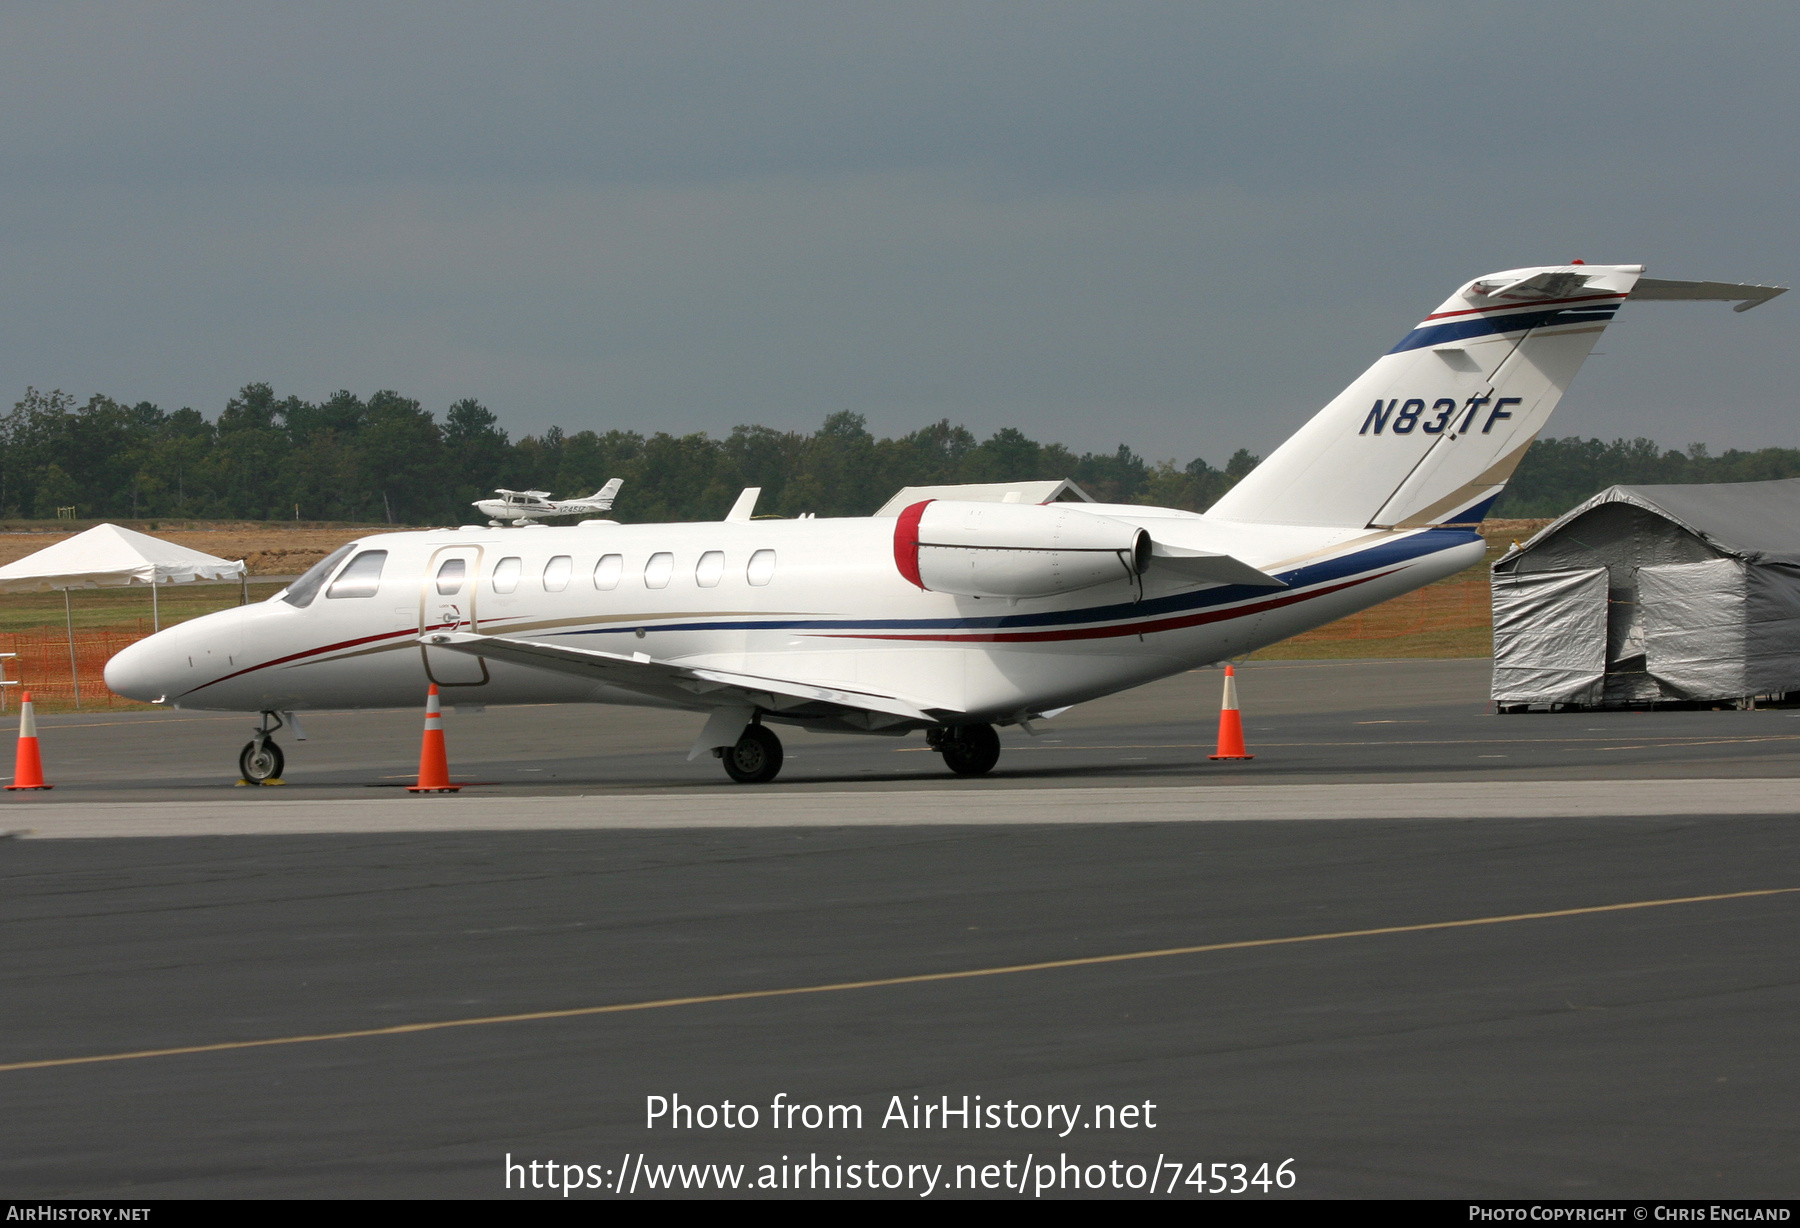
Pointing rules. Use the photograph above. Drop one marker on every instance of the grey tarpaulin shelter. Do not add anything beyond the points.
(1652, 594)
(108, 556)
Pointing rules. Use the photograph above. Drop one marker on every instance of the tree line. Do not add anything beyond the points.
(1557, 474)
(387, 459)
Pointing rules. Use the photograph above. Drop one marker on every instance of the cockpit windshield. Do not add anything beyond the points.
(302, 591)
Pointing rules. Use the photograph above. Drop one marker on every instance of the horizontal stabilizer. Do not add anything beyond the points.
(1204, 567)
(1651, 289)
(640, 672)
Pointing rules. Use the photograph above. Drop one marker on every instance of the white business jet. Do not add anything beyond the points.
(522, 507)
(951, 610)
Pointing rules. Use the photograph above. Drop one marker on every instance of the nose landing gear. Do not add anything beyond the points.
(261, 760)
(968, 750)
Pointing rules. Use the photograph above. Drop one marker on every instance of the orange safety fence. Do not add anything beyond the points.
(41, 664)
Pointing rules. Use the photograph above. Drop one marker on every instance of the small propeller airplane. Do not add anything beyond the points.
(951, 610)
(522, 507)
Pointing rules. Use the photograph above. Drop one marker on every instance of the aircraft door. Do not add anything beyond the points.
(447, 603)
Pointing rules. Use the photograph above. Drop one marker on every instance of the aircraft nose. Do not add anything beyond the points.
(143, 671)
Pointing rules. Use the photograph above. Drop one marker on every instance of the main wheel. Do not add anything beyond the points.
(756, 759)
(260, 765)
(970, 750)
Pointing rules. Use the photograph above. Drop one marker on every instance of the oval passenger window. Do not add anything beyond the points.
(608, 570)
(506, 575)
(710, 567)
(658, 570)
(762, 567)
(450, 577)
(556, 573)
(361, 578)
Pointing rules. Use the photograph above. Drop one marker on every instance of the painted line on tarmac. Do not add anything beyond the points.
(922, 978)
(990, 802)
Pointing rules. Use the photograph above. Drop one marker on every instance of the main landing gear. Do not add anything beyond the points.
(756, 759)
(261, 760)
(968, 750)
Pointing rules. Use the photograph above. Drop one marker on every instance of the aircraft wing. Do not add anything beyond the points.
(719, 687)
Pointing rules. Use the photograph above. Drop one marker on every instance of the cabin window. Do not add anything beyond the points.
(302, 591)
(361, 578)
(506, 575)
(762, 567)
(608, 570)
(450, 577)
(658, 570)
(556, 573)
(710, 567)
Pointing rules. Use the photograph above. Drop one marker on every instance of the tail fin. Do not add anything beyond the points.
(603, 498)
(1430, 433)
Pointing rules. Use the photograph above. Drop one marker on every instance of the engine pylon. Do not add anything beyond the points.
(434, 763)
(29, 770)
(1231, 722)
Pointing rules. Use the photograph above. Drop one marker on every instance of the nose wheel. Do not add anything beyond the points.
(968, 750)
(756, 759)
(261, 760)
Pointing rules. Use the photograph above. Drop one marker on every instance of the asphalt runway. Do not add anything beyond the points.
(1306, 722)
(1585, 1005)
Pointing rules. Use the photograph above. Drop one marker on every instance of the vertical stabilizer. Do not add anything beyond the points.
(1431, 432)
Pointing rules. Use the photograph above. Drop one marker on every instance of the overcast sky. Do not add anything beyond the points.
(1181, 226)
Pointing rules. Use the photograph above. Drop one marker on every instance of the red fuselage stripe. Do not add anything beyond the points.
(313, 652)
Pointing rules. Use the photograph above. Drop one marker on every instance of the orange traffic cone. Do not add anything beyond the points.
(434, 764)
(29, 772)
(1231, 724)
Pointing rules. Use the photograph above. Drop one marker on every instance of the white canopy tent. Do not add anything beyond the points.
(107, 556)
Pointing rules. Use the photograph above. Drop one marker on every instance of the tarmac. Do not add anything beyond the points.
(1416, 948)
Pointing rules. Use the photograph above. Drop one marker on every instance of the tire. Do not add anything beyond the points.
(756, 759)
(971, 750)
(257, 768)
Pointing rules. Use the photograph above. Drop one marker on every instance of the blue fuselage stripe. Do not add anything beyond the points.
(1387, 554)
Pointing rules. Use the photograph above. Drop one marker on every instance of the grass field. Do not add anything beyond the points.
(123, 609)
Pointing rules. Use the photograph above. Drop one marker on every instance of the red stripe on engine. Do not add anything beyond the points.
(906, 543)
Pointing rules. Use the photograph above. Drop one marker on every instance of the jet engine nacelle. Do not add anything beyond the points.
(1014, 550)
